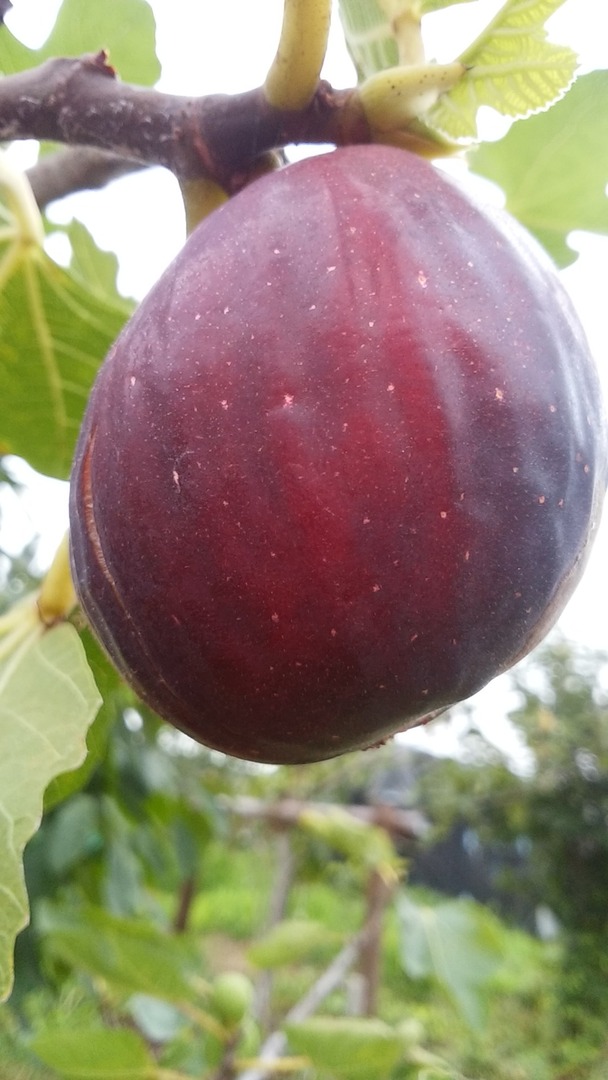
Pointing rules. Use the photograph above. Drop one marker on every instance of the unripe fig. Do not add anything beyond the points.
(342, 467)
(231, 997)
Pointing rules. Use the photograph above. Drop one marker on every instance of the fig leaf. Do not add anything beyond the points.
(47, 700)
(127, 954)
(97, 1055)
(553, 167)
(348, 1046)
(56, 333)
(369, 36)
(455, 943)
(125, 29)
(511, 67)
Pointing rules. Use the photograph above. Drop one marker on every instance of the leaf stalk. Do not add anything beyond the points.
(57, 596)
(294, 74)
(405, 17)
(21, 203)
(394, 97)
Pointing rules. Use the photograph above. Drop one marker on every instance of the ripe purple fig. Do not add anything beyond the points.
(342, 467)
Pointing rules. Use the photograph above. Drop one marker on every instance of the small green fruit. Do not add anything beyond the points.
(231, 997)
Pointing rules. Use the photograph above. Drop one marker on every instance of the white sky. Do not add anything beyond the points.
(210, 47)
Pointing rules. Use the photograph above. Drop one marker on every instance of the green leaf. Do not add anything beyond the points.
(97, 1055)
(365, 845)
(96, 270)
(553, 167)
(369, 35)
(155, 1019)
(437, 5)
(457, 943)
(47, 700)
(511, 67)
(54, 333)
(131, 955)
(347, 1047)
(125, 28)
(292, 941)
(111, 688)
(73, 833)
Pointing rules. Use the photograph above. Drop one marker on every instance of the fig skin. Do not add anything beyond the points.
(342, 467)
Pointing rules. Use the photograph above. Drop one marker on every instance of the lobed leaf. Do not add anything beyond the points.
(292, 941)
(54, 335)
(454, 943)
(553, 167)
(97, 270)
(369, 35)
(47, 700)
(111, 689)
(348, 1046)
(97, 1055)
(364, 844)
(125, 28)
(73, 834)
(511, 67)
(131, 956)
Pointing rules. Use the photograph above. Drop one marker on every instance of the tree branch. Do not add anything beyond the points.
(77, 168)
(331, 978)
(277, 907)
(379, 893)
(285, 813)
(80, 102)
(186, 898)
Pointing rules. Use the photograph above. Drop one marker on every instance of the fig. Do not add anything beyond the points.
(343, 465)
(231, 997)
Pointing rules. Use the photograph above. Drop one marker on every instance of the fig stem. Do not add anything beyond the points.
(21, 204)
(394, 97)
(405, 20)
(275, 1066)
(170, 1074)
(201, 197)
(204, 1021)
(57, 596)
(294, 74)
